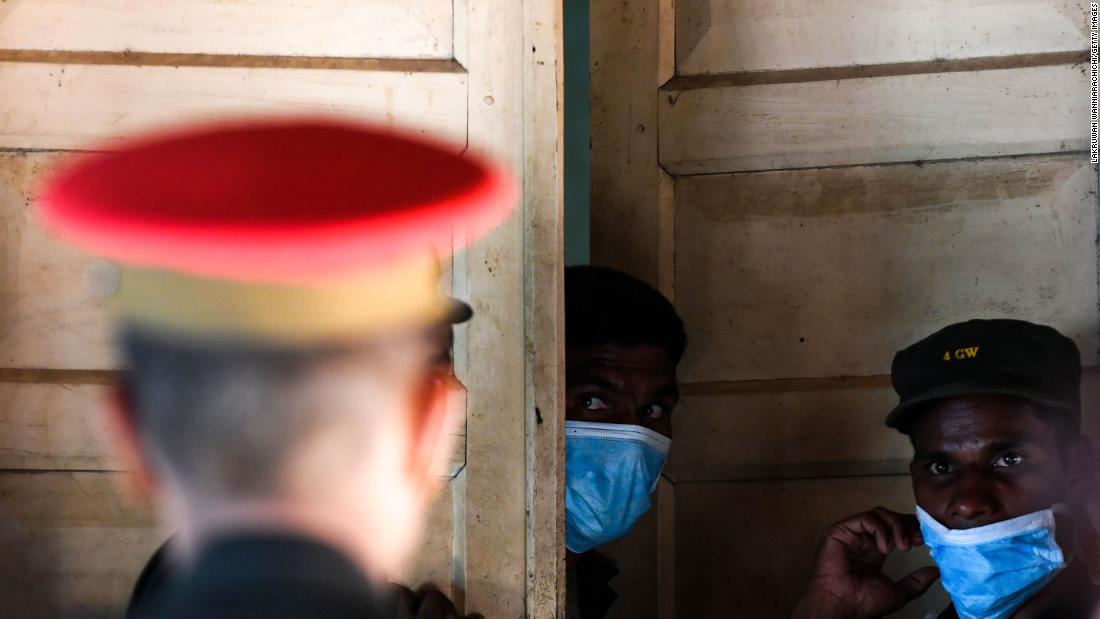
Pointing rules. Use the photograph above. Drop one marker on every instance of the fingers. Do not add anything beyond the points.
(889, 530)
(903, 528)
(882, 530)
(917, 583)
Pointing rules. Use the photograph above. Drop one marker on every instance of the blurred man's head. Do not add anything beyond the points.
(623, 343)
(234, 429)
(277, 283)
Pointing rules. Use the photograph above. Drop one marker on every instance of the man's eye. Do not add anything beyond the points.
(939, 468)
(594, 403)
(1008, 461)
(655, 411)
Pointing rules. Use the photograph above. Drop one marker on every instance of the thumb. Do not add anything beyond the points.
(918, 582)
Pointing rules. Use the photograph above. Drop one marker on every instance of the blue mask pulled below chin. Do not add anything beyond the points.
(991, 571)
(610, 471)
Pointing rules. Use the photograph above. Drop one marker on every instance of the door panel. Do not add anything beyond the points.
(69, 538)
(359, 28)
(810, 273)
(77, 104)
(729, 36)
(45, 306)
(710, 128)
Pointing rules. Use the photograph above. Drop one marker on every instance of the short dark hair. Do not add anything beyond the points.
(223, 416)
(604, 306)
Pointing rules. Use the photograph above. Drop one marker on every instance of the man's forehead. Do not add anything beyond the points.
(620, 356)
(620, 372)
(978, 422)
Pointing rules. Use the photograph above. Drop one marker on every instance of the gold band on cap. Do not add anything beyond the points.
(403, 293)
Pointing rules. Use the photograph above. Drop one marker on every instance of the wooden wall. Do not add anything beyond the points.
(85, 72)
(817, 184)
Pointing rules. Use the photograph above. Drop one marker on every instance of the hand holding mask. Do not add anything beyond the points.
(848, 582)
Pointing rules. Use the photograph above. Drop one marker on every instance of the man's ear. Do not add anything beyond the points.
(120, 420)
(429, 421)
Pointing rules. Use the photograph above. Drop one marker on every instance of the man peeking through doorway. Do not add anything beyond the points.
(1000, 470)
(623, 342)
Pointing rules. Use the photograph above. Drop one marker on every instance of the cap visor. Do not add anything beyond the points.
(458, 311)
(903, 412)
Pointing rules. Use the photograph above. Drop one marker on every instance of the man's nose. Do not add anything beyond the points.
(973, 503)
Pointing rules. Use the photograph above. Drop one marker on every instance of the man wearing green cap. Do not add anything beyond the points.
(1000, 473)
(282, 397)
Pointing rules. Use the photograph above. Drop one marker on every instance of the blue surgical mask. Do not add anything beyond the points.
(991, 571)
(610, 471)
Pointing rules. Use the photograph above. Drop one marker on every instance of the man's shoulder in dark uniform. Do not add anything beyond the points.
(272, 576)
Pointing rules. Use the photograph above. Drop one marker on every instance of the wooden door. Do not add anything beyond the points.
(482, 73)
(817, 184)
